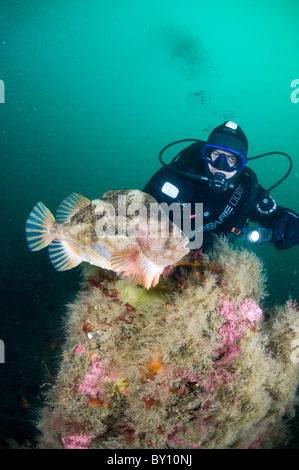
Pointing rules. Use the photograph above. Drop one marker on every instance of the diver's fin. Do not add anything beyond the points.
(62, 256)
(38, 225)
(129, 265)
(70, 205)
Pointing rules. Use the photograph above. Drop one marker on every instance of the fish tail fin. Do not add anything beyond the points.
(38, 227)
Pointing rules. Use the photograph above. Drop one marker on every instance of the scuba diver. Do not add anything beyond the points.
(215, 174)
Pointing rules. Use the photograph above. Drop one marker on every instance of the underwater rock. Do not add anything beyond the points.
(195, 362)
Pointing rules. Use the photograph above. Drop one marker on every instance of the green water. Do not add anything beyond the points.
(93, 91)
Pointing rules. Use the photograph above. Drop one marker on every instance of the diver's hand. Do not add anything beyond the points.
(286, 229)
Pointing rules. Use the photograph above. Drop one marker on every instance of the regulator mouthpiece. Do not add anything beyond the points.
(218, 182)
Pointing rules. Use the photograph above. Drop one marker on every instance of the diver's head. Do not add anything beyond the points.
(225, 154)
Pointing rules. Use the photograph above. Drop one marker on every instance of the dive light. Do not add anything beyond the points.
(259, 235)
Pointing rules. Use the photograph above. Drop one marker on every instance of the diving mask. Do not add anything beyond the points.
(221, 161)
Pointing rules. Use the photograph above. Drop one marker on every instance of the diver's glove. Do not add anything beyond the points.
(286, 229)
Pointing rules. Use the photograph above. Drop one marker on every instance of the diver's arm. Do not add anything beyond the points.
(174, 175)
(155, 186)
(285, 228)
(283, 222)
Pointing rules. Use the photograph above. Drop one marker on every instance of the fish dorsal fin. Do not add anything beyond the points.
(134, 267)
(62, 256)
(70, 205)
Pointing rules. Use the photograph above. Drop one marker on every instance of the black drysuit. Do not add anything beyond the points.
(224, 212)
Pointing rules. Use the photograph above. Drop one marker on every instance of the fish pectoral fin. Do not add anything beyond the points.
(62, 255)
(70, 205)
(131, 266)
(156, 279)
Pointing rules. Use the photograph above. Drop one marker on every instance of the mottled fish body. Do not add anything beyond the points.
(108, 234)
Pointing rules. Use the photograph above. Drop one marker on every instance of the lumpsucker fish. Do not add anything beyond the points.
(120, 232)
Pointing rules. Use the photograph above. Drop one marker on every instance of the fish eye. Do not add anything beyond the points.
(170, 228)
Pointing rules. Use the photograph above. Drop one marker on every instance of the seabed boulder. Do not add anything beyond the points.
(196, 362)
